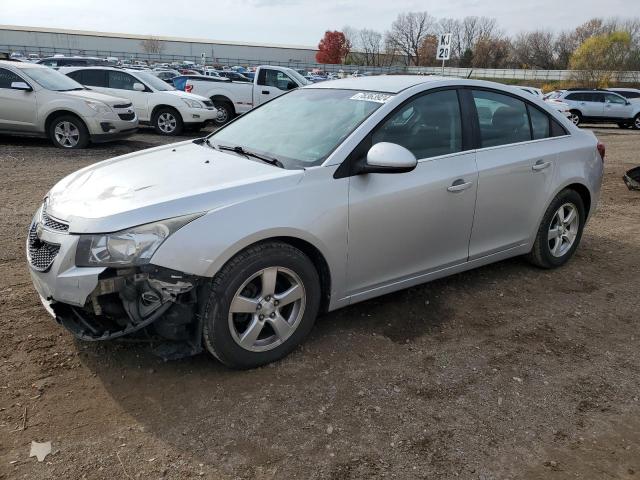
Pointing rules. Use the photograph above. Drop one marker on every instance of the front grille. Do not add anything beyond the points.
(208, 103)
(127, 116)
(53, 224)
(41, 254)
(124, 105)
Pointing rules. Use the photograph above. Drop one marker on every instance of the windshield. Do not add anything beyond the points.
(155, 82)
(298, 77)
(51, 79)
(303, 127)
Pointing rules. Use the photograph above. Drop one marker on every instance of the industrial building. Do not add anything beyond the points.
(50, 41)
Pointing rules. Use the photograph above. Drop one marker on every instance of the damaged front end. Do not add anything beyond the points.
(154, 300)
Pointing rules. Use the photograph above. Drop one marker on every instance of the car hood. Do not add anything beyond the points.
(99, 97)
(160, 183)
(191, 96)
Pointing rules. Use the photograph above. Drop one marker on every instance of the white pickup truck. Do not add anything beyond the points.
(235, 98)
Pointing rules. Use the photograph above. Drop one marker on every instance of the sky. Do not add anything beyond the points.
(292, 22)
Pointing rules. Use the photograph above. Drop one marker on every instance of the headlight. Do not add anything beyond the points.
(192, 103)
(99, 107)
(134, 246)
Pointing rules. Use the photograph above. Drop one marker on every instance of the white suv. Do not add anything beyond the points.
(600, 106)
(157, 103)
(38, 101)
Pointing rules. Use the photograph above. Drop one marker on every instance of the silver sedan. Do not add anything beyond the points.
(326, 196)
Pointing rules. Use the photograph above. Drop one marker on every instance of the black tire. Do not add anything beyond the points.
(194, 127)
(226, 112)
(540, 254)
(81, 140)
(217, 330)
(167, 121)
(636, 122)
(576, 117)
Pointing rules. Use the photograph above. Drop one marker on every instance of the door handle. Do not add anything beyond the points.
(540, 165)
(459, 185)
(265, 92)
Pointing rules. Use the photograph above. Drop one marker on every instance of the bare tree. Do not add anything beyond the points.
(535, 50)
(152, 45)
(408, 32)
(370, 44)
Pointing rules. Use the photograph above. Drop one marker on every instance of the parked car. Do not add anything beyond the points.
(58, 61)
(329, 195)
(38, 101)
(156, 103)
(600, 106)
(628, 93)
(234, 98)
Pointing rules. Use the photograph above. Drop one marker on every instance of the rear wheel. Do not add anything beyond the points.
(167, 121)
(226, 112)
(262, 304)
(636, 122)
(69, 132)
(560, 231)
(575, 117)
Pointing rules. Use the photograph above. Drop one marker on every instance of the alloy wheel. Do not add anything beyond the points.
(167, 122)
(267, 309)
(575, 118)
(67, 134)
(563, 229)
(637, 122)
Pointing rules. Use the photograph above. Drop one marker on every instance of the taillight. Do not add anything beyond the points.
(601, 150)
(188, 88)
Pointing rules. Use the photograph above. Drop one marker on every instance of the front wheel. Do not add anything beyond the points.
(167, 121)
(69, 132)
(262, 304)
(560, 231)
(636, 122)
(225, 112)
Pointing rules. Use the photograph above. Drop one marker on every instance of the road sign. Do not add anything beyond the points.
(444, 47)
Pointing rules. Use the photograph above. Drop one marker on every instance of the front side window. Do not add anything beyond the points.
(277, 79)
(7, 77)
(301, 128)
(155, 82)
(428, 126)
(121, 80)
(611, 98)
(503, 119)
(51, 79)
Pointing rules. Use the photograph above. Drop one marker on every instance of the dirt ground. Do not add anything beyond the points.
(505, 372)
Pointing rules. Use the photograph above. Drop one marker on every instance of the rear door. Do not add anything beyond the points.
(271, 83)
(595, 104)
(515, 171)
(18, 108)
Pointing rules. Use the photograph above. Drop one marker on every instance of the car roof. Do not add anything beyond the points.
(381, 83)
(11, 63)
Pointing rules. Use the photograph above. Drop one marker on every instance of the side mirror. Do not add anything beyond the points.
(387, 157)
(24, 86)
(291, 85)
(627, 102)
(138, 87)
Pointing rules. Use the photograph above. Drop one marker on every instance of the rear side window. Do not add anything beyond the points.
(94, 78)
(630, 94)
(503, 119)
(540, 124)
(7, 78)
(428, 126)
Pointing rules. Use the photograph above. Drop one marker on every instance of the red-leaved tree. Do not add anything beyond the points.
(333, 48)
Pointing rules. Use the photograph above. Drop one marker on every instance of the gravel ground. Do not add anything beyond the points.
(505, 372)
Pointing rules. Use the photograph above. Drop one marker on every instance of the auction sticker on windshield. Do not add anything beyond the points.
(371, 97)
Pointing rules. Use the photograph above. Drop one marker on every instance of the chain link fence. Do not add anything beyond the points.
(487, 73)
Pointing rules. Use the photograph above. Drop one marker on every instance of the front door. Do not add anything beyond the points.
(406, 225)
(18, 108)
(271, 83)
(616, 107)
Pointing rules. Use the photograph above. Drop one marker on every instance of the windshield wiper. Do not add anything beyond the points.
(248, 153)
